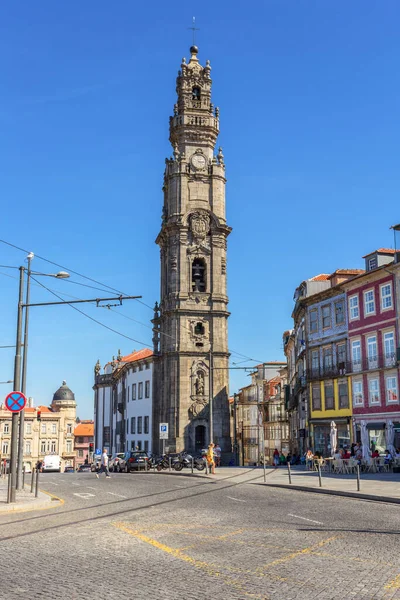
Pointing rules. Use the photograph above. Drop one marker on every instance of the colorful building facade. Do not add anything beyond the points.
(83, 437)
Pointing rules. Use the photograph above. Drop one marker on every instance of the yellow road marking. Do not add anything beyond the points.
(199, 564)
(293, 555)
(394, 584)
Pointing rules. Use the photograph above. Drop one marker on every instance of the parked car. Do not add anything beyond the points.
(113, 463)
(134, 461)
(69, 469)
(95, 466)
(84, 469)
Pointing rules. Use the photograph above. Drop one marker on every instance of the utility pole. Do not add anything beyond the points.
(21, 437)
(17, 388)
(210, 396)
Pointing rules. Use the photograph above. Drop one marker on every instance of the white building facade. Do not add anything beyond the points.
(123, 403)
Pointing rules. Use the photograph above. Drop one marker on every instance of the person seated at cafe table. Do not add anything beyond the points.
(338, 454)
(397, 455)
(375, 454)
(388, 457)
(346, 454)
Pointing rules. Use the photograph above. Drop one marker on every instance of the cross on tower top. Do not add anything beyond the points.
(194, 29)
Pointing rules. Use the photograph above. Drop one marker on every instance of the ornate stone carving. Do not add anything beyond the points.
(199, 384)
(223, 266)
(97, 368)
(200, 225)
(199, 407)
(173, 261)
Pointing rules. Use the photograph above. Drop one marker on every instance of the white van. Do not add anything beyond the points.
(51, 463)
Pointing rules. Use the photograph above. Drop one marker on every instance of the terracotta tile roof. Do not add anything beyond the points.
(137, 355)
(321, 277)
(84, 429)
(346, 272)
(382, 251)
(44, 409)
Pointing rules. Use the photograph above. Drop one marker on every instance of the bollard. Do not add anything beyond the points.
(169, 463)
(192, 465)
(265, 471)
(289, 473)
(319, 474)
(358, 478)
(23, 478)
(9, 488)
(32, 479)
(37, 484)
(145, 466)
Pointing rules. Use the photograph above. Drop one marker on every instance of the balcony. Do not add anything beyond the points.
(300, 384)
(328, 371)
(369, 363)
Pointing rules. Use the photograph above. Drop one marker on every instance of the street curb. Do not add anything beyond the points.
(197, 475)
(358, 495)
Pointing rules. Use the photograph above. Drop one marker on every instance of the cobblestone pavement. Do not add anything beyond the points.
(144, 536)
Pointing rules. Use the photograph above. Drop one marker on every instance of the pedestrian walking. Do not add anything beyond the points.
(217, 453)
(210, 458)
(104, 464)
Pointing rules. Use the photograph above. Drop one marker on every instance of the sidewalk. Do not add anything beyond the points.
(25, 500)
(382, 487)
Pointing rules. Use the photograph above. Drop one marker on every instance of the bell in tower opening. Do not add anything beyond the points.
(191, 371)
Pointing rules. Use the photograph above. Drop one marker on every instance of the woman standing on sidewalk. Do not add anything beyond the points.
(210, 458)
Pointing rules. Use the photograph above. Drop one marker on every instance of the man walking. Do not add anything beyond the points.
(104, 464)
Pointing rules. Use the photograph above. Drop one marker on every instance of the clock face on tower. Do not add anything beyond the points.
(198, 161)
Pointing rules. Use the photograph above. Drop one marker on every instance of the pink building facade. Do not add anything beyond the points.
(373, 338)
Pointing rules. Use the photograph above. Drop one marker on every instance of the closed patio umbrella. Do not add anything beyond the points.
(366, 452)
(333, 436)
(390, 438)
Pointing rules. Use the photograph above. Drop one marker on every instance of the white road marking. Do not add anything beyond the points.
(52, 482)
(236, 499)
(90, 488)
(85, 495)
(78, 484)
(119, 495)
(305, 519)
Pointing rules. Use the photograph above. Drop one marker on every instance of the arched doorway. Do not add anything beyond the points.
(200, 438)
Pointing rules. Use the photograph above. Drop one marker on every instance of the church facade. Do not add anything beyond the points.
(190, 323)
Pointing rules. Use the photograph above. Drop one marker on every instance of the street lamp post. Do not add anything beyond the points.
(21, 438)
(210, 397)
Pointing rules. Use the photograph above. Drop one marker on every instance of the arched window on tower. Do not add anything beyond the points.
(196, 93)
(199, 329)
(198, 275)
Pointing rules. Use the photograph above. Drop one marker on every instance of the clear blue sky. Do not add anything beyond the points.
(309, 94)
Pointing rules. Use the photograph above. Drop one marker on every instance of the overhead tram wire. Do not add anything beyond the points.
(89, 317)
(106, 286)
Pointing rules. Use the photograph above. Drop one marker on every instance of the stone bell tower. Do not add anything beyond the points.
(190, 323)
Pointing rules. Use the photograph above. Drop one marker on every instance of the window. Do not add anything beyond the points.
(343, 395)
(341, 356)
(147, 366)
(356, 355)
(358, 399)
(43, 428)
(354, 308)
(127, 426)
(43, 447)
(316, 397)
(4, 448)
(79, 440)
(53, 428)
(196, 93)
(80, 453)
(386, 296)
(391, 389)
(326, 316)
(146, 445)
(134, 391)
(133, 424)
(139, 444)
(28, 428)
(372, 263)
(69, 428)
(129, 393)
(388, 344)
(327, 355)
(199, 329)
(147, 389)
(369, 302)
(69, 446)
(140, 391)
(329, 397)
(339, 312)
(140, 367)
(53, 446)
(373, 389)
(139, 424)
(132, 444)
(6, 428)
(146, 425)
(372, 352)
(198, 275)
(315, 362)
(27, 447)
(313, 320)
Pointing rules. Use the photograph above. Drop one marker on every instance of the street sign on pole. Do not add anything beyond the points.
(163, 431)
(98, 452)
(15, 401)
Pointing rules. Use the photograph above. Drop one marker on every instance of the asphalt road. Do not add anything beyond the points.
(159, 536)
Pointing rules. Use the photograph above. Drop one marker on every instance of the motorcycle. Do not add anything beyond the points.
(164, 462)
(185, 461)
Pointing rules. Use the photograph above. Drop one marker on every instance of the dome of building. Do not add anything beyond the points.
(64, 394)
